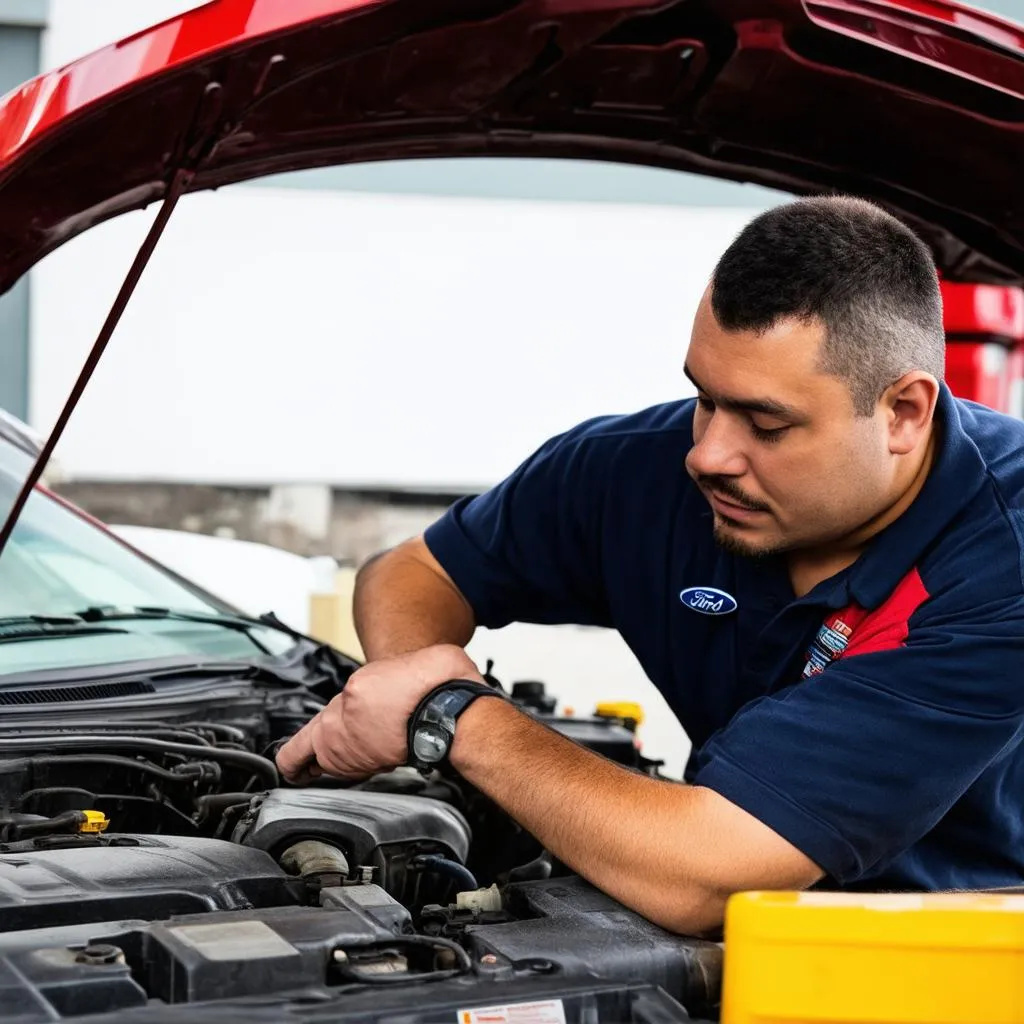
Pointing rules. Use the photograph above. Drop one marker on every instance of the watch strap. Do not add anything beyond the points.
(443, 713)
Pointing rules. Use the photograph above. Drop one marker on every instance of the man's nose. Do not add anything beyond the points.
(717, 452)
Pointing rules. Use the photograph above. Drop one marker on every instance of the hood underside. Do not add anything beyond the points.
(916, 104)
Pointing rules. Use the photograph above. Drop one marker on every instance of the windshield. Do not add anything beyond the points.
(57, 563)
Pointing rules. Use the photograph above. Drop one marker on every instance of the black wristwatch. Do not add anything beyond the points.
(432, 724)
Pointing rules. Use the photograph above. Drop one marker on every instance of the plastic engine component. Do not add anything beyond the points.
(363, 823)
(64, 881)
(569, 929)
(197, 959)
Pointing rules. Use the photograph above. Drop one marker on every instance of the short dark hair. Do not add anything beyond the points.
(864, 274)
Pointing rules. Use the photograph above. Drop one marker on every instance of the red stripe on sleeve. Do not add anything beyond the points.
(886, 628)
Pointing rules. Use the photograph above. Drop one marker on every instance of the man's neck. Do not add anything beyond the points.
(807, 568)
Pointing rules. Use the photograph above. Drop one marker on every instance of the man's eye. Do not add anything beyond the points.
(768, 436)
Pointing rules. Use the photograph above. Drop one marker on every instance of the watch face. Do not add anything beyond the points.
(429, 744)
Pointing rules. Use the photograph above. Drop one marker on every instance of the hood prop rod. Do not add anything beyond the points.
(179, 183)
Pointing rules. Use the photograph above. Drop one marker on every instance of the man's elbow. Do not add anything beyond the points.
(739, 854)
(695, 911)
(700, 907)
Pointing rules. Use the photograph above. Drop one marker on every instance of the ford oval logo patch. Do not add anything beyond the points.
(708, 600)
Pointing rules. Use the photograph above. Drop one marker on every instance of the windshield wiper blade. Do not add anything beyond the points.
(48, 620)
(141, 613)
(49, 627)
(316, 658)
(311, 664)
(151, 613)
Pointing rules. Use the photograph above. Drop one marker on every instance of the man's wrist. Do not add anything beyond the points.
(433, 724)
(476, 723)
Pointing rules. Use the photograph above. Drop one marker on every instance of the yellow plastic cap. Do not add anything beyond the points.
(620, 709)
(914, 958)
(95, 821)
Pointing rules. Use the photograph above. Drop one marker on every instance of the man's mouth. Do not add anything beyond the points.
(730, 509)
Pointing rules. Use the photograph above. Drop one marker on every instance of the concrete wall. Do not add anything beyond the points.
(307, 520)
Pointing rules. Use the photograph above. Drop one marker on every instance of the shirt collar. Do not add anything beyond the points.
(956, 476)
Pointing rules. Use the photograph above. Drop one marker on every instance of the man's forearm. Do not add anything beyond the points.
(674, 853)
(627, 841)
(402, 603)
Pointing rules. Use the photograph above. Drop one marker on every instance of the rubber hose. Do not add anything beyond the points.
(64, 823)
(241, 759)
(443, 866)
(534, 870)
(313, 857)
(213, 802)
(113, 760)
(143, 731)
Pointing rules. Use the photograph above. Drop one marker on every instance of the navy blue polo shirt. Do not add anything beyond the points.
(876, 722)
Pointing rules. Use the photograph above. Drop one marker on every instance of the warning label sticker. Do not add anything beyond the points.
(548, 1012)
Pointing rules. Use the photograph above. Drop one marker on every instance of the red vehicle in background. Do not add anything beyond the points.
(985, 344)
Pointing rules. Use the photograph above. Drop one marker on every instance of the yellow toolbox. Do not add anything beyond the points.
(887, 958)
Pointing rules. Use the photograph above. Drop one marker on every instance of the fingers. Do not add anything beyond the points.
(309, 772)
(319, 748)
(297, 758)
(336, 750)
(363, 730)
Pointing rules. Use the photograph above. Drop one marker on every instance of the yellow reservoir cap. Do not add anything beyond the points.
(870, 958)
(95, 821)
(620, 709)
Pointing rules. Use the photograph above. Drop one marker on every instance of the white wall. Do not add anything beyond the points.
(289, 335)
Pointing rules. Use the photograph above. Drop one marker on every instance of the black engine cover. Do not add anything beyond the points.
(193, 959)
(73, 880)
(568, 928)
(366, 825)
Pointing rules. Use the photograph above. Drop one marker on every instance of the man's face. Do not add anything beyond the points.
(778, 451)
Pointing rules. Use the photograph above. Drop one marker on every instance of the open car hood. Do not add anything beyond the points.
(916, 104)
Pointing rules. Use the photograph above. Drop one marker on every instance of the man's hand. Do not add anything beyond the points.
(364, 729)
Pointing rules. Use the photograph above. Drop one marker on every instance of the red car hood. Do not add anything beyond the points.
(917, 104)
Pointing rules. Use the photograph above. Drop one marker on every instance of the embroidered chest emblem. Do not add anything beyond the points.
(708, 600)
(829, 645)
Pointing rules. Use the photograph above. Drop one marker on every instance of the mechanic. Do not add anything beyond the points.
(817, 561)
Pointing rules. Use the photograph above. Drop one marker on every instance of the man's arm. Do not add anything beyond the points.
(404, 601)
(674, 853)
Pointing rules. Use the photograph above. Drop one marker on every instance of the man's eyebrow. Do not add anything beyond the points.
(767, 406)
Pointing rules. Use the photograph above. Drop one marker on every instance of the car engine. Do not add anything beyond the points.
(155, 866)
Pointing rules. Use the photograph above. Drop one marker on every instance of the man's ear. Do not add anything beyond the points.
(910, 407)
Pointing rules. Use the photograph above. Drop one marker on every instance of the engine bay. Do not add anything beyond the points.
(150, 866)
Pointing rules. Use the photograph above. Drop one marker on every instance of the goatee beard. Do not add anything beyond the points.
(728, 541)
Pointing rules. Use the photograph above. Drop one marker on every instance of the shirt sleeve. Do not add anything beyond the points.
(856, 764)
(529, 549)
